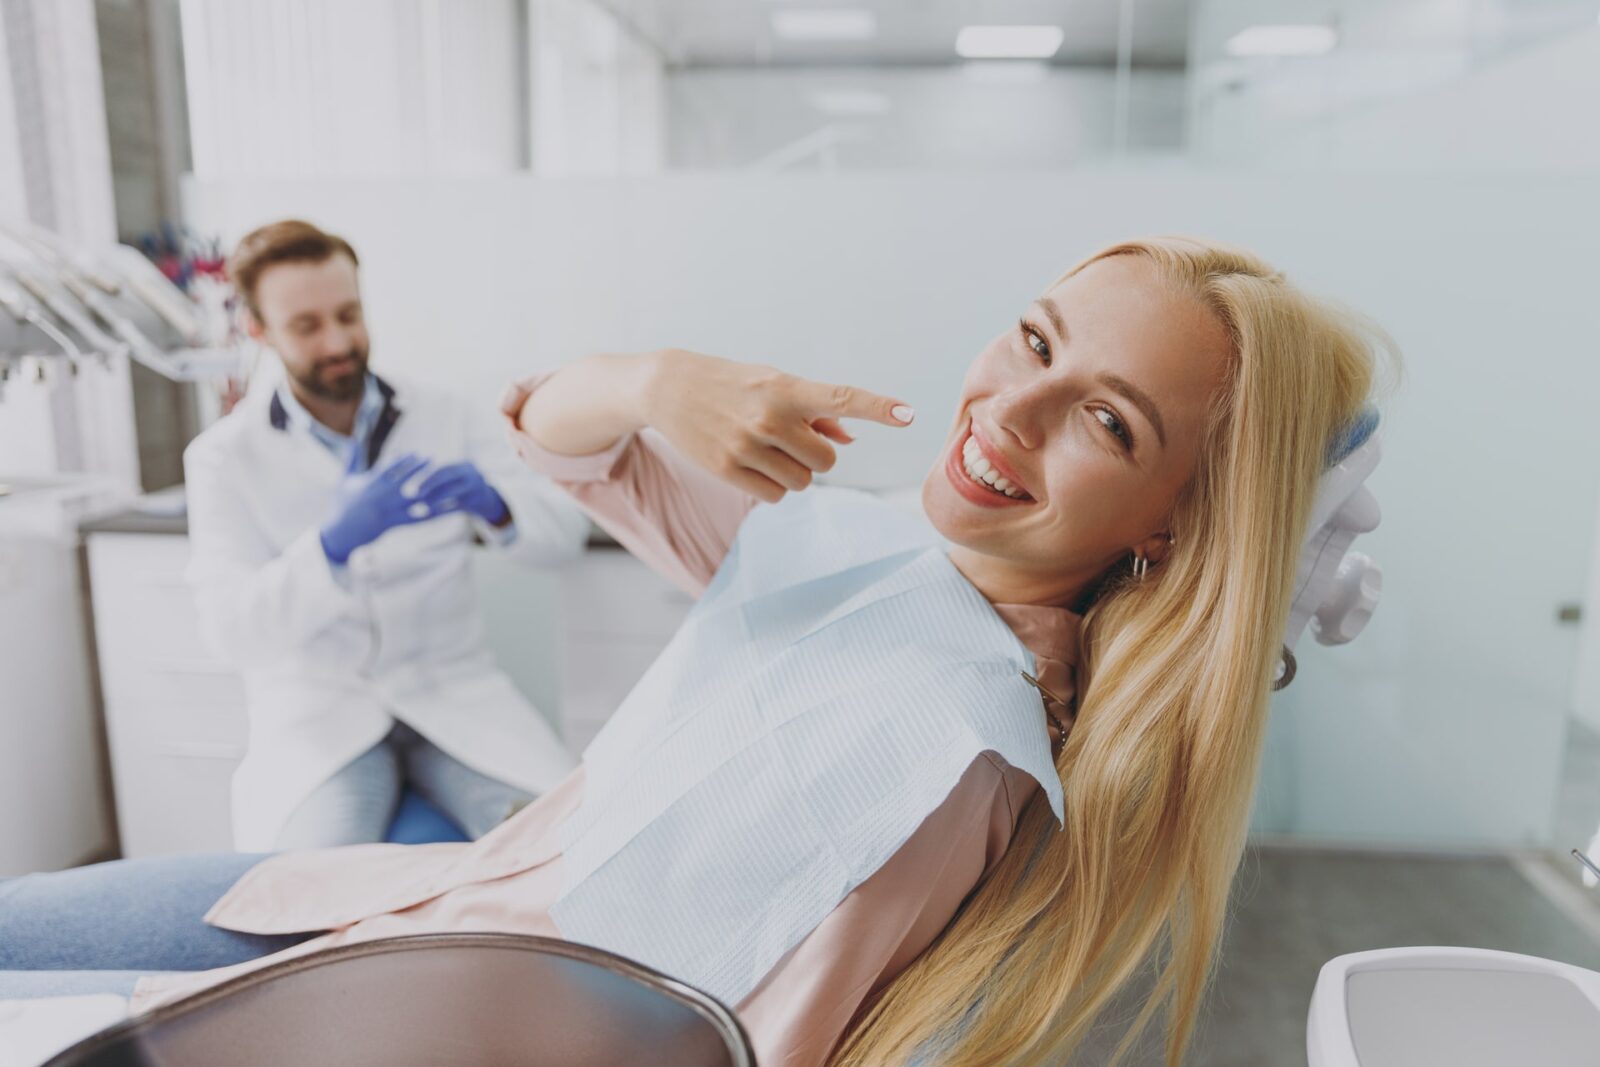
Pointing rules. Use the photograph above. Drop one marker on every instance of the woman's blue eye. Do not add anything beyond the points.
(1035, 341)
(1115, 426)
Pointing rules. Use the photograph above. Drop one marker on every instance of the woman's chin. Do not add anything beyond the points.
(956, 520)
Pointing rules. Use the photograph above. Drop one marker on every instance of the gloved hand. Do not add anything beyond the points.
(371, 503)
(463, 486)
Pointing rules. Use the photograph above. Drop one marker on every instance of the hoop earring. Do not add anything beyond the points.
(1141, 567)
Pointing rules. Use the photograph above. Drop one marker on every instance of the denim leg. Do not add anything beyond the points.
(475, 801)
(138, 915)
(33, 985)
(354, 807)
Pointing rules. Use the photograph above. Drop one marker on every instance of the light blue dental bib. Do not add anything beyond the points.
(825, 695)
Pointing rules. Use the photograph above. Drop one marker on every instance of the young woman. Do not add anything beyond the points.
(1126, 485)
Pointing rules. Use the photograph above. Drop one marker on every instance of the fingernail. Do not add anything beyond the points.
(902, 412)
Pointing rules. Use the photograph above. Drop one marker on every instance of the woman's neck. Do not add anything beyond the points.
(1003, 582)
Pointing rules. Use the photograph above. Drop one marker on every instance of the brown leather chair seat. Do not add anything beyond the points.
(436, 1000)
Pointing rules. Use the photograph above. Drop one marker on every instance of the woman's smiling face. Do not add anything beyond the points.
(1087, 417)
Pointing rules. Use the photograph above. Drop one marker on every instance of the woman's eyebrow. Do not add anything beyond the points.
(1053, 315)
(1139, 398)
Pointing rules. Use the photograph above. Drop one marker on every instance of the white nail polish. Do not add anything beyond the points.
(902, 412)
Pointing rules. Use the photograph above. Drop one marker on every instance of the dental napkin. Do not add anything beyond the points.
(824, 696)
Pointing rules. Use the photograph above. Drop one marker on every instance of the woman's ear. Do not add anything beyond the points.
(1154, 548)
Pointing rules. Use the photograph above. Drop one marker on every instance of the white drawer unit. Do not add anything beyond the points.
(52, 796)
(175, 715)
(618, 615)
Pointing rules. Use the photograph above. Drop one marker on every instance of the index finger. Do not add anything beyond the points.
(848, 401)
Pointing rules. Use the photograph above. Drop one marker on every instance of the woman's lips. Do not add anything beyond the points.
(996, 460)
(970, 490)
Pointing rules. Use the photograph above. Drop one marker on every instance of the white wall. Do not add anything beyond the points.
(995, 117)
(1443, 725)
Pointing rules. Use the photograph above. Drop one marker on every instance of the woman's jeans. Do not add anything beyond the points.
(98, 929)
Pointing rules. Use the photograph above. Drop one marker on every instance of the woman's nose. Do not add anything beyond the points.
(1021, 411)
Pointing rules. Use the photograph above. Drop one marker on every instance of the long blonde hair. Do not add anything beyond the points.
(1159, 769)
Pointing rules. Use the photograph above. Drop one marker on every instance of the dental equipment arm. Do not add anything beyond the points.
(158, 293)
(138, 346)
(64, 308)
(27, 313)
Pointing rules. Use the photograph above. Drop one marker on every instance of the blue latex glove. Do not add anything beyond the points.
(463, 486)
(371, 503)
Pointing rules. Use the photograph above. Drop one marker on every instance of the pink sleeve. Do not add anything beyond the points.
(676, 517)
(802, 1007)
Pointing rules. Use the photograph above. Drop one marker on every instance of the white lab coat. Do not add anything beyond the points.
(330, 660)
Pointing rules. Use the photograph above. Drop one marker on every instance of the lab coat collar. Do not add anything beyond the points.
(278, 416)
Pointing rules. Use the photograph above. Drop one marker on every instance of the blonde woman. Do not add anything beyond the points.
(1120, 503)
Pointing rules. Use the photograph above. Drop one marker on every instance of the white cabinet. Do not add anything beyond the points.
(52, 797)
(175, 717)
(618, 615)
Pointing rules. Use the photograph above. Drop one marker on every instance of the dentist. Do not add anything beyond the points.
(330, 522)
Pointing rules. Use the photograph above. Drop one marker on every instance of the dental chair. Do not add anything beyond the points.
(1336, 590)
(433, 1000)
(1465, 1007)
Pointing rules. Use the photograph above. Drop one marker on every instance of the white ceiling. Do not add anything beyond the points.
(909, 32)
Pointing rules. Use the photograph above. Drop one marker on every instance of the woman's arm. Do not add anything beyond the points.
(669, 450)
(591, 404)
(762, 430)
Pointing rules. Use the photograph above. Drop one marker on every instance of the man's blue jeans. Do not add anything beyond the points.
(97, 929)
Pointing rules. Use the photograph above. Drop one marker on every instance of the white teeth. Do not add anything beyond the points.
(980, 470)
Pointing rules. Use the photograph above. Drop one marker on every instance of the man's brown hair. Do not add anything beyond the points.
(289, 241)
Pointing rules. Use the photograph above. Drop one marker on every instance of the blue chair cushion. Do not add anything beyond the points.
(1352, 435)
(417, 822)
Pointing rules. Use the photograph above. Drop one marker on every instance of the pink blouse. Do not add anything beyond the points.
(680, 520)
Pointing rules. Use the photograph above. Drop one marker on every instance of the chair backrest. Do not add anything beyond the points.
(433, 1000)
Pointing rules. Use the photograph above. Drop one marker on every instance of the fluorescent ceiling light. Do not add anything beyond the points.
(825, 24)
(1008, 42)
(850, 102)
(1307, 40)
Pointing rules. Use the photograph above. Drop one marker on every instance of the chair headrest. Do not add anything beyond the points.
(1352, 435)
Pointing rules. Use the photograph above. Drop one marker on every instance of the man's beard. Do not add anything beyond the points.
(347, 384)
